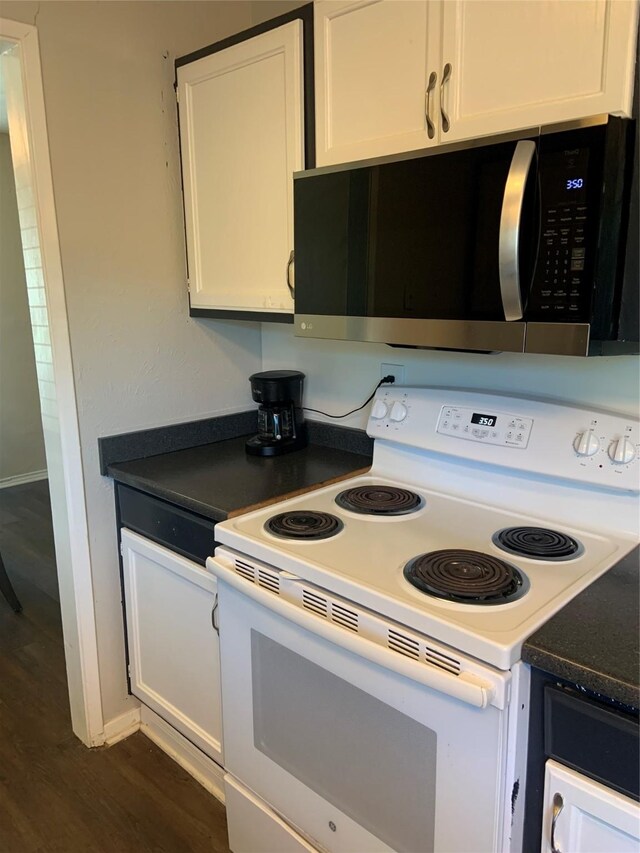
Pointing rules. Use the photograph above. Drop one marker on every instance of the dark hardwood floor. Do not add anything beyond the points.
(55, 794)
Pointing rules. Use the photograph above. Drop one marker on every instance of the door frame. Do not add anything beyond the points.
(63, 452)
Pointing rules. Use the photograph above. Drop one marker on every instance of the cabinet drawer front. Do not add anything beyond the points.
(596, 740)
(184, 532)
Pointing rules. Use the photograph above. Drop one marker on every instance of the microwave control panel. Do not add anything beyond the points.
(560, 288)
(486, 427)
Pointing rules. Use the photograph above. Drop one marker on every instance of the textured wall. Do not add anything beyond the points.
(340, 375)
(21, 443)
(138, 359)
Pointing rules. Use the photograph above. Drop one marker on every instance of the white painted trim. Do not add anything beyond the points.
(122, 726)
(203, 769)
(20, 479)
(81, 647)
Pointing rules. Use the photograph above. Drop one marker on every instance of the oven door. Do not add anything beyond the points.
(353, 754)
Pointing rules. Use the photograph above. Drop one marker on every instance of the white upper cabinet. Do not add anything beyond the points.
(242, 137)
(521, 63)
(494, 66)
(373, 59)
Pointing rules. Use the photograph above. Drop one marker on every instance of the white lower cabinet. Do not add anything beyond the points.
(173, 644)
(589, 817)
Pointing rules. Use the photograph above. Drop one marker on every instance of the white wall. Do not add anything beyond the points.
(21, 441)
(263, 10)
(139, 360)
(341, 375)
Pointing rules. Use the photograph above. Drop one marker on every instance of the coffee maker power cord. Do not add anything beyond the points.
(386, 380)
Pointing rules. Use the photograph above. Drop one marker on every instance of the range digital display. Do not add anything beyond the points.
(484, 420)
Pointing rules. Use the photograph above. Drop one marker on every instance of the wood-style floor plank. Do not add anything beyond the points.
(57, 796)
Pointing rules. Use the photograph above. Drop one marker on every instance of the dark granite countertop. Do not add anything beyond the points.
(594, 640)
(219, 479)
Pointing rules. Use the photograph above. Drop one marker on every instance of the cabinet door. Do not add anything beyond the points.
(241, 134)
(521, 63)
(373, 59)
(592, 817)
(173, 646)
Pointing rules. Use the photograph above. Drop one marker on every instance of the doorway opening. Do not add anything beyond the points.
(22, 83)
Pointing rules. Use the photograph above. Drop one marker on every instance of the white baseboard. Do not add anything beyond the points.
(19, 479)
(203, 769)
(122, 726)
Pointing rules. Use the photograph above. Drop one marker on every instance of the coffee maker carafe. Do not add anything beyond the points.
(281, 426)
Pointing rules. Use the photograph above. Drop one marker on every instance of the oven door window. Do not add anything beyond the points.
(331, 736)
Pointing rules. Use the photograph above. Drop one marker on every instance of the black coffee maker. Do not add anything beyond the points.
(281, 426)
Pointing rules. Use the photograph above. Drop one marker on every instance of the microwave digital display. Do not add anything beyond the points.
(574, 183)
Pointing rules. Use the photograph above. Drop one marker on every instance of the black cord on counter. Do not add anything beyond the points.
(386, 380)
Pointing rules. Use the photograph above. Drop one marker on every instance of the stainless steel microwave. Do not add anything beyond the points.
(514, 243)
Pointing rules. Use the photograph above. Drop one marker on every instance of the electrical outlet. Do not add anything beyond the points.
(396, 370)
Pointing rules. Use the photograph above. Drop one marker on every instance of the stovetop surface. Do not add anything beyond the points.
(364, 562)
(481, 462)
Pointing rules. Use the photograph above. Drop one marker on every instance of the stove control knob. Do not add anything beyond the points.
(586, 444)
(621, 451)
(398, 412)
(379, 410)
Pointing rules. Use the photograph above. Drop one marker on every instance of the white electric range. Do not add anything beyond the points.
(371, 630)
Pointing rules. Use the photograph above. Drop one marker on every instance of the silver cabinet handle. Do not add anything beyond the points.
(446, 76)
(509, 238)
(292, 289)
(214, 615)
(431, 85)
(558, 805)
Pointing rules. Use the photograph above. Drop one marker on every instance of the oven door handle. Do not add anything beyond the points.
(465, 687)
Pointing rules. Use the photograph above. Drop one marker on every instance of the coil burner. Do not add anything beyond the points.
(306, 525)
(537, 543)
(379, 500)
(467, 577)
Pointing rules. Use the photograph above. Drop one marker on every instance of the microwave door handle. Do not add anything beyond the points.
(509, 238)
